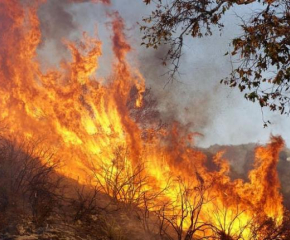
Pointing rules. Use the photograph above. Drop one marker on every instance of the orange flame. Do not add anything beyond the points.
(86, 120)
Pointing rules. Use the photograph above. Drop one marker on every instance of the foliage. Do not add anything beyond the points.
(263, 48)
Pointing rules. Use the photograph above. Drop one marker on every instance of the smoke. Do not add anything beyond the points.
(57, 19)
(219, 113)
(197, 99)
(178, 100)
(57, 23)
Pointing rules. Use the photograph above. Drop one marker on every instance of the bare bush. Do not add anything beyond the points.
(28, 181)
(182, 215)
(130, 187)
(84, 204)
(227, 222)
(111, 230)
(122, 181)
(268, 229)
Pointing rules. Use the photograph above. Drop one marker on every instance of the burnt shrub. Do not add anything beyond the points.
(29, 184)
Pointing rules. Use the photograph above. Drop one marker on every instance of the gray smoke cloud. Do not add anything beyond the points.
(58, 23)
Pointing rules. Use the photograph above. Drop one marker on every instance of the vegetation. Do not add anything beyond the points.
(27, 185)
(37, 202)
(262, 50)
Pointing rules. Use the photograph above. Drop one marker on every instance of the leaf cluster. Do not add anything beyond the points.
(262, 71)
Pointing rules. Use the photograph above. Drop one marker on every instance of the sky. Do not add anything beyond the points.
(219, 113)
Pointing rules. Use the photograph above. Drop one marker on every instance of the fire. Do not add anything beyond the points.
(85, 121)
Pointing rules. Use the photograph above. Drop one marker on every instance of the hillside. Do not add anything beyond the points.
(36, 202)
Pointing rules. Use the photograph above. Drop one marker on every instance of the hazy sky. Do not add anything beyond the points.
(221, 114)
